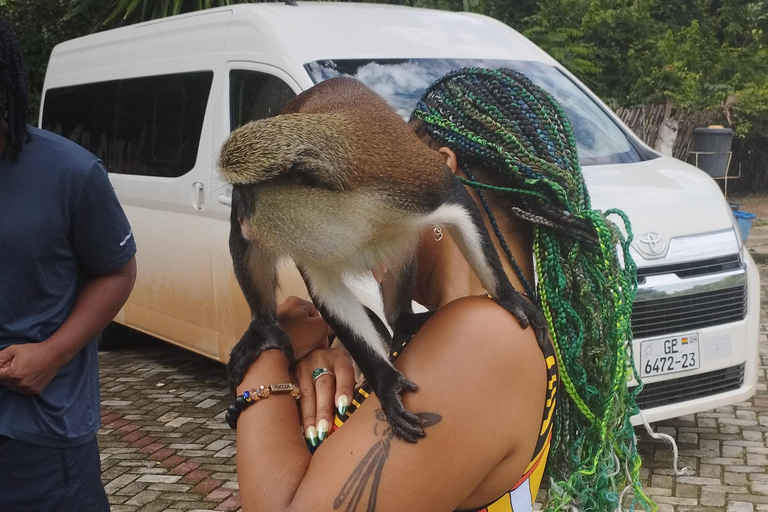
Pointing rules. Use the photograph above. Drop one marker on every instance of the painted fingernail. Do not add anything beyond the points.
(322, 429)
(342, 403)
(312, 436)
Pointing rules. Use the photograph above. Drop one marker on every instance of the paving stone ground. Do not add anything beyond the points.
(165, 446)
(164, 443)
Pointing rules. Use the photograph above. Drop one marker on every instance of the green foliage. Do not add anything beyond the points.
(568, 47)
(674, 72)
(694, 54)
(751, 110)
(39, 25)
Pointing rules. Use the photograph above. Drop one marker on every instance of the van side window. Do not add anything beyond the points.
(85, 114)
(147, 126)
(255, 96)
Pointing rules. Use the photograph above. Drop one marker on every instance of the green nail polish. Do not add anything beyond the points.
(312, 436)
(322, 429)
(342, 404)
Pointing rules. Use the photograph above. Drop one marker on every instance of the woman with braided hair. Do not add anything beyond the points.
(495, 408)
(511, 137)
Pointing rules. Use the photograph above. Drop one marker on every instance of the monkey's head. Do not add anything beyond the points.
(293, 147)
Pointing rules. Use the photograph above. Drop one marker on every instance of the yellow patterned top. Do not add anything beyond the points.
(522, 495)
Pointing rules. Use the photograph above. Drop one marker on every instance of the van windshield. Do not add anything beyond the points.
(402, 82)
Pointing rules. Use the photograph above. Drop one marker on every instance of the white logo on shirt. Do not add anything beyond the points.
(128, 237)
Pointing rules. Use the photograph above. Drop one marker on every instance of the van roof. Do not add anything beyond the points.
(286, 36)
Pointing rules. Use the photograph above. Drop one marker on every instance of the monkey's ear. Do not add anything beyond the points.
(450, 158)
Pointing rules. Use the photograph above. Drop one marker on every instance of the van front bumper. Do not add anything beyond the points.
(728, 376)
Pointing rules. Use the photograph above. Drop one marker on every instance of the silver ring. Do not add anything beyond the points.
(319, 372)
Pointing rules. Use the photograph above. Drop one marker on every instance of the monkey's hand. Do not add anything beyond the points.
(406, 326)
(388, 387)
(527, 314)
(261, 335)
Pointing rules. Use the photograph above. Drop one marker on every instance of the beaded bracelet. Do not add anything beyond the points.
(254, 395)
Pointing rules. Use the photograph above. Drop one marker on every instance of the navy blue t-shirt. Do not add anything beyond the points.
(60, 223)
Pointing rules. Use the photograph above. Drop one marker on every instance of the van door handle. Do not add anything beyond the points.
(226, 198)
(198, 196)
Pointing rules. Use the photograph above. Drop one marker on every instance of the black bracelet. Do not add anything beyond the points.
(254, 395)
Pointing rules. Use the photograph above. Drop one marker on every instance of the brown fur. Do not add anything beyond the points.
(341, 184)
(363, 133)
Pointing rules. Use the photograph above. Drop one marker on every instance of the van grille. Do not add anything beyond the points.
(674, 391)
(694, 311)
(693, 268)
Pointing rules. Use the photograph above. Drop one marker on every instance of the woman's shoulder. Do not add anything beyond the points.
(472, 360)
(481, 340)
(478, 323)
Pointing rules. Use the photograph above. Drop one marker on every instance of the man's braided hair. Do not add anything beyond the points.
(501, 122)
(13, 91)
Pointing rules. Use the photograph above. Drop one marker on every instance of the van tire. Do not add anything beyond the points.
(114, 336)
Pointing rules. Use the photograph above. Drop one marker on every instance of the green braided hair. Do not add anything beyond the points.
(501, 122)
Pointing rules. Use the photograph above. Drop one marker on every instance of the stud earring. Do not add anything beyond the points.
(438, 232)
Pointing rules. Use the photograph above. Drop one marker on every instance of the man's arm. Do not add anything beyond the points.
(28, 368)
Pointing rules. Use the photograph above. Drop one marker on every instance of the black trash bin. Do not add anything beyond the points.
(712, 150)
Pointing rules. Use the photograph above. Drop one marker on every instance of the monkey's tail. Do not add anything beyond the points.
(305, 148)
(243, 156)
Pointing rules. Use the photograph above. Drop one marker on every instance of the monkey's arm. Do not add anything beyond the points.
(489, 409)
(348, 319)
(256, 273)
(397, 291)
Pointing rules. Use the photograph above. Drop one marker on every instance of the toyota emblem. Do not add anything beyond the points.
(651, 243)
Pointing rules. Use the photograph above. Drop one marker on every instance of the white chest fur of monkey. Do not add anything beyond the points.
(351, 231)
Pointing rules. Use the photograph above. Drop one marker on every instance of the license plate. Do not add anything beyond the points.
(669, 354)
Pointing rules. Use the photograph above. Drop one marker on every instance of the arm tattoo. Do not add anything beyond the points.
(372, 465)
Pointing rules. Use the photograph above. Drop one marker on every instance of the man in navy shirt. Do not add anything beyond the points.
(67, 266)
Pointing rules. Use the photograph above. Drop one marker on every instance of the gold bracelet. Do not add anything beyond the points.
(254, 395)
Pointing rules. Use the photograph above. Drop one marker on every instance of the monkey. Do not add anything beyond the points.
(340, 183)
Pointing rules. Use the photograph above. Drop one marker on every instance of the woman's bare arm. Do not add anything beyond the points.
(482, 384)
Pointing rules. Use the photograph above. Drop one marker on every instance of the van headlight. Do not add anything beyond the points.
(736, 231)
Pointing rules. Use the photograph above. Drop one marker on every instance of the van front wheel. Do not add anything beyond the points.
(114, 336)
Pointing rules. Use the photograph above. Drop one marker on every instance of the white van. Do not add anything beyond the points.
(156, 100)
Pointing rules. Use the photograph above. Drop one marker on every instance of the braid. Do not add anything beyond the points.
(13, 91)
(496, 231)
(501, 121)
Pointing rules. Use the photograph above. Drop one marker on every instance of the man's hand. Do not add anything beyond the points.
(27, 368)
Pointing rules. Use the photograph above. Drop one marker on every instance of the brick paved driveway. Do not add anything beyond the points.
(165, 445)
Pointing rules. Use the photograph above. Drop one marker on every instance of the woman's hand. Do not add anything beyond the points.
(309, 334)
(304, 326)
(319, 399)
